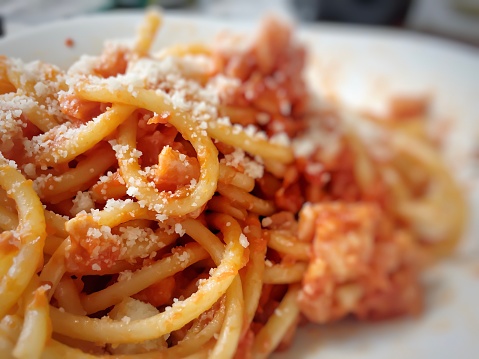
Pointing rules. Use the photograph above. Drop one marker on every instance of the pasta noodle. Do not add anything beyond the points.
(198, 202)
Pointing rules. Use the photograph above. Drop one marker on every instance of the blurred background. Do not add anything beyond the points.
(453, 19)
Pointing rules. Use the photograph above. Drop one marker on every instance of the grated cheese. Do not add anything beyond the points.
(243, 241)
(82, 202)
(96, 267)
(239, 160)
(179, 229)
(266, 222)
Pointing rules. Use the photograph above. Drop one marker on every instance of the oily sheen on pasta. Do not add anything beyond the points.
(198, 201)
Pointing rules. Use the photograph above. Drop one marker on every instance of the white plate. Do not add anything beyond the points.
(362, 67)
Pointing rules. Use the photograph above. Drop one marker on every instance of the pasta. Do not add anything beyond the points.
(200, 202)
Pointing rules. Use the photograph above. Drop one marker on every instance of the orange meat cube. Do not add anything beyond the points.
(360, 265)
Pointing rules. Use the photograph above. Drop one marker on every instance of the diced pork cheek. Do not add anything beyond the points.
(359, 265)
(175, 170)
(87, 252)
(151, 144)
(113, 187)
(268, 74)
(79, 110)
(113, 61)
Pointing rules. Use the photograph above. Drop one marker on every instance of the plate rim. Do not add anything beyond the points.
(302, 28)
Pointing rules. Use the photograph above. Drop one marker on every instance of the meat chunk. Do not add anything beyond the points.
(92, 247)
(361, 264)
(175, 170)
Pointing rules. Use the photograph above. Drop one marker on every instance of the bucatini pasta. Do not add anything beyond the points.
(199, 201)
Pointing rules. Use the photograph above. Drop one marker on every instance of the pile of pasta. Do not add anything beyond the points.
(198, 201)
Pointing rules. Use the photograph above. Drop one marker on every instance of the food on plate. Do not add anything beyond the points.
(198, 200)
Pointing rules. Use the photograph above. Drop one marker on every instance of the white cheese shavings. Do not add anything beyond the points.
(82, 202)
(243, 241)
